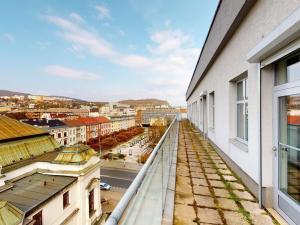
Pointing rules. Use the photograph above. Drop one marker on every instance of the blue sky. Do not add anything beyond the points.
(102, 50)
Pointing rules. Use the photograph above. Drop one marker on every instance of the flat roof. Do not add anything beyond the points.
(30, 192)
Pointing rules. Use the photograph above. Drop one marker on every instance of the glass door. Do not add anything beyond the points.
(288, 162)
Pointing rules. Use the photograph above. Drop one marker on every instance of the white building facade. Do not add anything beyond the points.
(244, 97)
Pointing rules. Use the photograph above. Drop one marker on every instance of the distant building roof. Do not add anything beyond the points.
(294, 120)
(11, 129)
(32, 191)
(88, 120)
(76, 154)
(9, 214)
(45, 123)
(74, 123)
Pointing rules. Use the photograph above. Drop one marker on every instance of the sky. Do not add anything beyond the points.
(106, 50)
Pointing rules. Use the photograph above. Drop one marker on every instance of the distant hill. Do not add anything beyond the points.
(11, 93)
(141, 102)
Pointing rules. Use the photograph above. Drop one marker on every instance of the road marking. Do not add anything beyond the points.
(120, 178)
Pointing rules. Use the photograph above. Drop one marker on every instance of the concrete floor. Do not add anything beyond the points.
(207, 192)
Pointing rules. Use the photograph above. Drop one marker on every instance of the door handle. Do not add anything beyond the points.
(275, 150)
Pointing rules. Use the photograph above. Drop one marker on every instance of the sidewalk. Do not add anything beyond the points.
(120, 165)
(207, 192)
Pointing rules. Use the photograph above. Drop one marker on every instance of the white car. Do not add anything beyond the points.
(105, 186)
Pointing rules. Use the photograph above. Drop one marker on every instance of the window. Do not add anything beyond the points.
(38, 218)
(288, 70)
(212, 110)
(66, 200)
(242, 109)
(59, 135)
(65, 134)
(91, 202)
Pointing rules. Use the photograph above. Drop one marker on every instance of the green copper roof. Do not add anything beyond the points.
(9, 214)
(77, 154)
(15, 151)
(10, 128)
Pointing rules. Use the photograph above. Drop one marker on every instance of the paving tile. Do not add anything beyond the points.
(184, 215)
(209, 216)
(216, 183)
(243, 194)
(194, 164)
(201, 182)
(198, 160)
(184, 198)
(213, 176)
(220, 192)
(210, 170)
(201, 190)
(204, 201)
(197, 175)
(229, 178)
(183, 184)
(221, 166)
(183, 173)
(235, 185)
(208, 165)
(226, 203)
(225, 171)
(235, 218)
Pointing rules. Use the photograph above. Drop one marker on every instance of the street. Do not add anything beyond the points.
(117, 177)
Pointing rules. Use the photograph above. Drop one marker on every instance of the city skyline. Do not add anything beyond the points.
(103, 50)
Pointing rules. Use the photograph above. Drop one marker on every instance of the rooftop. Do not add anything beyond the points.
(9, 214)
(207, 191)
(76, 154)
(88, 120)
(12, 129)
(45, 122)
(32, 191)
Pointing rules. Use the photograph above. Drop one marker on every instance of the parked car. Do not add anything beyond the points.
(105, 186)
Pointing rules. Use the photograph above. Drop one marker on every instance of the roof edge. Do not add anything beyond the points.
(233, 27)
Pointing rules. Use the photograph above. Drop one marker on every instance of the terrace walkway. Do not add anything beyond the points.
(207, 192)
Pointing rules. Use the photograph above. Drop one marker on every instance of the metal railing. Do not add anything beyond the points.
(144, 201)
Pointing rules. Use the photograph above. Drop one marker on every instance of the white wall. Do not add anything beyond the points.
(263, 18)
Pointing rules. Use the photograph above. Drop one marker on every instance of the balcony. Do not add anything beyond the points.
(185, 181)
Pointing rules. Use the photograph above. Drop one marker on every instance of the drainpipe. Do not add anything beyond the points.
(260, 140)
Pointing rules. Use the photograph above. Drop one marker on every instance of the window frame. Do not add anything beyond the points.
(244, 102)
(91, 198)
(38, 217)
(66, 199)
(212, 110)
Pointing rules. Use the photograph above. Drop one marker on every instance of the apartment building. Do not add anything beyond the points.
(122, 122)
(116, 109)
(244, 97)
(43, 184)
(93, 126)
(57, 128)
(77, 131)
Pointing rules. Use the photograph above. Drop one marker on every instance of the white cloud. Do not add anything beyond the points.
(103, 11)
(61, 71)
(168, 40)
(170, 56)
(76, 17)
(7, 37)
